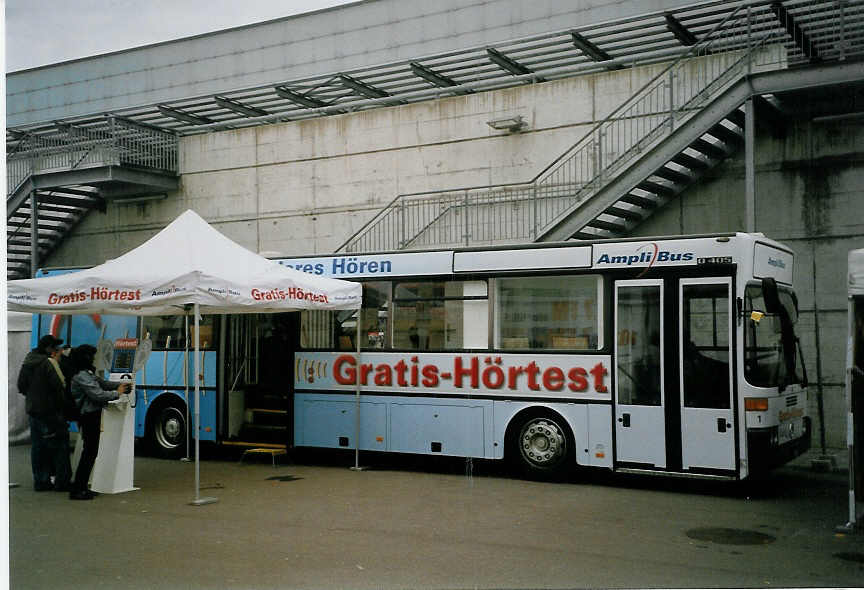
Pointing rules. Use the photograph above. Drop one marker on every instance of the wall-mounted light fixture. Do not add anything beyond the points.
(510, 124)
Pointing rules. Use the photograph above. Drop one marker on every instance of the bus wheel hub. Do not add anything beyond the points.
(542, 441)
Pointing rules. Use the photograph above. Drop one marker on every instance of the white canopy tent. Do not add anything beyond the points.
(187, 265)
(855, 385)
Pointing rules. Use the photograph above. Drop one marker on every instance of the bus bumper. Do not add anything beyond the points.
(764, 453)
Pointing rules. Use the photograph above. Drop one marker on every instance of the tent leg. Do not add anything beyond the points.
(198, 501)
(357, 403)
(186, 380)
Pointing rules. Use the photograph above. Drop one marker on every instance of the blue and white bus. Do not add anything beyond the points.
(674, 355)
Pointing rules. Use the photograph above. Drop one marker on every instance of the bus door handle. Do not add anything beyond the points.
(722, 425)
(625, 420)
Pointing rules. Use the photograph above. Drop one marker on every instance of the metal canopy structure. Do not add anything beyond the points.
(653, 37)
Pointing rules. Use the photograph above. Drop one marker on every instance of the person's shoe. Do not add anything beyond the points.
(80, 495)
(92, 493)
(43, 487)
(66, 488)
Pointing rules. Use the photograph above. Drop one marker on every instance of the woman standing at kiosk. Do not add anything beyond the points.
(91, 393)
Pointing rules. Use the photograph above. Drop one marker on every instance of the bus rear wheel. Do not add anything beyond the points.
(541, 446)
(167, 431)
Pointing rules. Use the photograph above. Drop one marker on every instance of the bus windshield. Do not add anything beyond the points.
(767, 362)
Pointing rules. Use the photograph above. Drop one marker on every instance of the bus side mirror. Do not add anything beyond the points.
(771, 296)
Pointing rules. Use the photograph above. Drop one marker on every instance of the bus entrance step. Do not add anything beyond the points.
(265, 451)
(266, 417)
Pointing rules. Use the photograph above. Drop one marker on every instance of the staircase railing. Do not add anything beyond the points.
(520, 212)
(80, 147)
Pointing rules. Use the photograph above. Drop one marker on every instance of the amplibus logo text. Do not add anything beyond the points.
(461, 372)
(649, 254)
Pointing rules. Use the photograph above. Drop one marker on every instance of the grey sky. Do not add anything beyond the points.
(40, 32)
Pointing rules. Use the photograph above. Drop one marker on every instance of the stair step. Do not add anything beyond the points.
(628, 214)
(267, 427)
(737, 117)
(643, 202)
(726, 135)
(656, 188)
(673, 175)
(267, 411)
(251, 444)
(709, 149)
(587, 235)
(690, 162)
(263, 434)
(608, 226)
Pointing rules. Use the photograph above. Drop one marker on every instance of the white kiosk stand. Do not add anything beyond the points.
(114, 468)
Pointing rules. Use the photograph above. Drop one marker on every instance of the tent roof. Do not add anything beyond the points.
(856, 272)
(187, 262)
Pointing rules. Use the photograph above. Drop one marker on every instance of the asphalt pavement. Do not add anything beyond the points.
(411, 522)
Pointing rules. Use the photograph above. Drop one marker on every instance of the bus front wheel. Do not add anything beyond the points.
(541, 445)
(167, 430)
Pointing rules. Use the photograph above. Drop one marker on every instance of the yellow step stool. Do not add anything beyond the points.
(261, 451)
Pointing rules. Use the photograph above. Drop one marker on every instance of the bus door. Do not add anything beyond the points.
(705, 356)
(640, 428)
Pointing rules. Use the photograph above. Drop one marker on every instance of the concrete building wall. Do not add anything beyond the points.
(305, 187)
(809, 195)
(339, 39)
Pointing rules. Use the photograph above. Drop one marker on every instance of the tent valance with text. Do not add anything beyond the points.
(188, 262)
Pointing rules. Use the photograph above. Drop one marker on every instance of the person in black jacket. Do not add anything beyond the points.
(91, 393)
(43, 384)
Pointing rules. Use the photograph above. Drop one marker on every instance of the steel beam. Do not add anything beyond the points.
(680, 31)
(435, 78)
(183, 116)
(239, 107)
(592, 51)
(297, 98)
(362, 88)
(507, 63)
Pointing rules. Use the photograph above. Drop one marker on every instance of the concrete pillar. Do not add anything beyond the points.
(749, 166)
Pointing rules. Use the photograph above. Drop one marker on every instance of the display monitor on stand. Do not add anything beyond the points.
(114, 468)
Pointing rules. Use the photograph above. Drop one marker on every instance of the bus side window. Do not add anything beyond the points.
(441, 315)
(338, 329)
(706, 346)
(558, 313)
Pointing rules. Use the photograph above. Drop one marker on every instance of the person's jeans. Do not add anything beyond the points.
(89, 426)
(49, 452)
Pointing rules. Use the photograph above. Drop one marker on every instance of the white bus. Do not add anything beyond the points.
(674, 356)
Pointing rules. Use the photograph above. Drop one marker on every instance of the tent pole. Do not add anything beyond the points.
(357, 401)
(198, 501)
(186, 376)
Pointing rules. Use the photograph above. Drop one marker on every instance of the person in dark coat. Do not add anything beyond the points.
(43, 384)
(91, 393)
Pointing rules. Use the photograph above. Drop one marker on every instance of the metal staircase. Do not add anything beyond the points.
(68, 171)
(679, 125)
